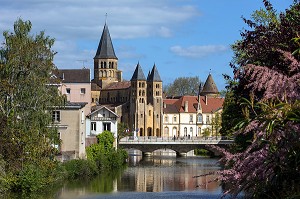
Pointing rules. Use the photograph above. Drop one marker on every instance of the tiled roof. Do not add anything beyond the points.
(138, 73)
(191, 101)
(154, 75)
(177, 105)
(95, 87)
(105, 48)
(73, 75)
(118, 85)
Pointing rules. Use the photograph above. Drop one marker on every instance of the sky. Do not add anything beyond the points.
(183, 38)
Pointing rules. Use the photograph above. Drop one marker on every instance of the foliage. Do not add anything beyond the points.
(206, 132)
(26, 63)
(268, 91)
(79, 168)
(202, 152)
(104, 154)
(123, 131)
(183, 86)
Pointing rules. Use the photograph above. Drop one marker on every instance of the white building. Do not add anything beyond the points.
(102, 119)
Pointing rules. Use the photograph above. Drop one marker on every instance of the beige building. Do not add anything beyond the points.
(70, 122)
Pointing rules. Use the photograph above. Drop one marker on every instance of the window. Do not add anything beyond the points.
(200, 118)
(191, 130)
(175, 119)
(93, 126)
(185, 131)
(68, 90)
(207, 119)
(191, 118)
(166, 119)
(141, 115)
(56, 116)
(157, 116)
(106, 127)
(82, 91)
(149, 113)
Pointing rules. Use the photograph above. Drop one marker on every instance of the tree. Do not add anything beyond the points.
(123, 131)
(268, 91)
(183, 86)
(26, 63)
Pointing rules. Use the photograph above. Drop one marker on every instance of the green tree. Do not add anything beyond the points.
(26, 63)
(122, 131)
(183, 86)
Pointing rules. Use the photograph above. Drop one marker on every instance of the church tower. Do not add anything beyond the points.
(106, 62)
(154, 98)
(138, 101)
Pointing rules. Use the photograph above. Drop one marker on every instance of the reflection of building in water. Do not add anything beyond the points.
(161, 174)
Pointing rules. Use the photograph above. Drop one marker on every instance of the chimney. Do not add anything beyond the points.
(186, 106)
(165, 106)
(205, 99)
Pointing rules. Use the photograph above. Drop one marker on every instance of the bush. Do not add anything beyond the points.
(104, 155)
(80, 169)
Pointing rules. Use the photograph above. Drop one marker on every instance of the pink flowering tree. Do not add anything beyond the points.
(267, 72)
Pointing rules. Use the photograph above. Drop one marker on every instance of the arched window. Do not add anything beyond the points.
(185, 131)
(191, 130)
(200, 118)
(166, 132)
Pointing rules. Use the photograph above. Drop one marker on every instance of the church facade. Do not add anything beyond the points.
(140, 104)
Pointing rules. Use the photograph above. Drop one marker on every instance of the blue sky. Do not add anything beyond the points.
(182, 37)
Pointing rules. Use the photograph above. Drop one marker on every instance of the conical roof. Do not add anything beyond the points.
(105, 48)
(209, 87)
(138, 73)
(154, 75)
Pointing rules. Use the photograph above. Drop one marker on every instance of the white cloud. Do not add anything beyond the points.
(198, 51)
(73, 22)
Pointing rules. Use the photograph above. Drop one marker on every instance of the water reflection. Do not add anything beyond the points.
(164, 173)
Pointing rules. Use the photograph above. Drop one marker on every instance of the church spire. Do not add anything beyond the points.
(154, 75)
(105, 48)
(138, 73)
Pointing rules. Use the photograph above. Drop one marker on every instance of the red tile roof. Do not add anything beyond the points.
(118, 85)
(177, 105)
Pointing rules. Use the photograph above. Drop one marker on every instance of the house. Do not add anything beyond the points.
(70, 123)
(102, 119)
(75, 84)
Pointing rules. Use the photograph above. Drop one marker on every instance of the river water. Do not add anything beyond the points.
(150, 178)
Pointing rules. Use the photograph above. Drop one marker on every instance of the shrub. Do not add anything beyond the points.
(80, 169)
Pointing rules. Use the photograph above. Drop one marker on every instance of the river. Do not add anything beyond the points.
(150, 178)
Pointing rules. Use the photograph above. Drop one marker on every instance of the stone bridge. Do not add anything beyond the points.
(181, 146)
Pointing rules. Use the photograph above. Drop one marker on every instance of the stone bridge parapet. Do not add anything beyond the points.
(181, 146)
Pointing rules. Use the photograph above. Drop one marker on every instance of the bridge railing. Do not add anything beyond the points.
(172, 139)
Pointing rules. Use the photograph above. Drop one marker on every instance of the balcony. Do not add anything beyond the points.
(103, 118)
